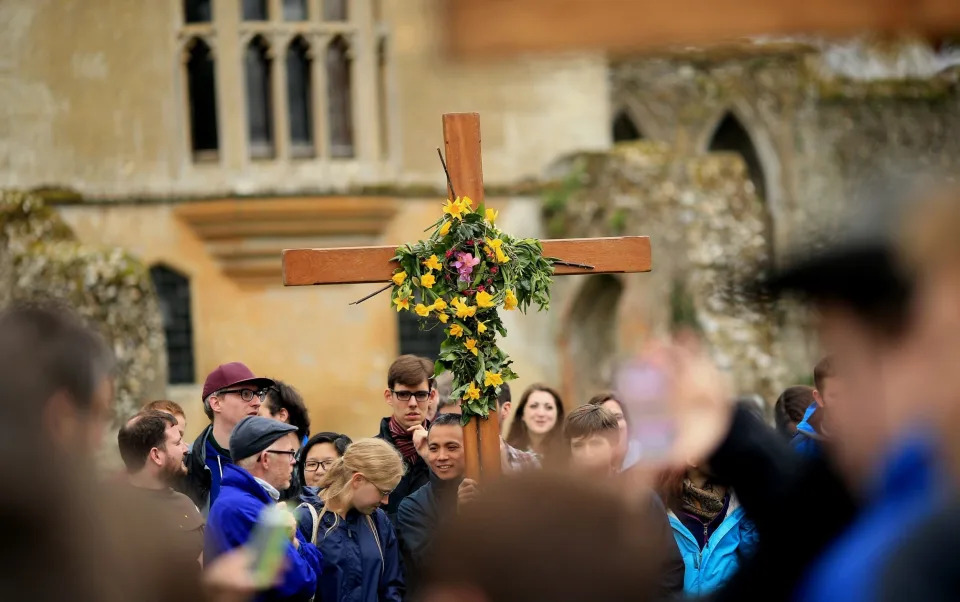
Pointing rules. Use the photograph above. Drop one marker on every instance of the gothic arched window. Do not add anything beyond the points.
(202, 97)
(731, 136)
(257, 67)
(339, 101)
(173, 293)
(300, 98)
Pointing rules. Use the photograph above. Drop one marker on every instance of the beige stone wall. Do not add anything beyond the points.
(337, 355)
(92, 97)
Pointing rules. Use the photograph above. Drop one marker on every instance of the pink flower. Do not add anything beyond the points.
(464, 264)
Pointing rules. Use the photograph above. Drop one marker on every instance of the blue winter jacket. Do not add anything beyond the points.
(356, 568)
(911, 485)
(232, 518)
(808, 441)
(708, 569)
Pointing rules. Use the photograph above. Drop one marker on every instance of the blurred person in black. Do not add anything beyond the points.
(878, 476)
(152, 449)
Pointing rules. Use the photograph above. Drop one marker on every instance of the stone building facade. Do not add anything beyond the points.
(205, 136)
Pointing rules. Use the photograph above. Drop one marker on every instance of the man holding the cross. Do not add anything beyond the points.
(409, 392)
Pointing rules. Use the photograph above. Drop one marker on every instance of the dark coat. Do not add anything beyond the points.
(204, 471)
(353, 569)
(415, 476)
(797, 504)
(419, 516)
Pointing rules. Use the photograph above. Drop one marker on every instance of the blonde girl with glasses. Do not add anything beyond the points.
(361, 555)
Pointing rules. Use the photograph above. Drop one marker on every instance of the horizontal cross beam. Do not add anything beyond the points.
(303, 267)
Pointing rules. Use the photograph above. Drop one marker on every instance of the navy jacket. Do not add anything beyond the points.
(418, 517)
(353, 570)
(232, 518)
(415, 476)
(204, 471)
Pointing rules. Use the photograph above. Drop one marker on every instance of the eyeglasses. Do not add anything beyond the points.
(421, 396)
(383, 492)
(313, 465)
(246, 394)
(282, 452)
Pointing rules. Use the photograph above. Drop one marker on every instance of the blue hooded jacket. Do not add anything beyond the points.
(808, 441)
(357, 568)
(708, 569)
(232, 518)
(910, 487)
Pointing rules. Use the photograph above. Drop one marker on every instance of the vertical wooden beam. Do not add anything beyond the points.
(471, 450)
(490, 445)
(461, 145)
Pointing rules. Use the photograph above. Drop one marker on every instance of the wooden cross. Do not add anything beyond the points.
(461, 139)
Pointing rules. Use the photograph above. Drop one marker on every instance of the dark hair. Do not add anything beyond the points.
(447, 419)
(588, 420)
(64, 354)
(141, 434)
(601, 398)
(282, 396)
(519, 437)
(790, 408)
(410, 371)
(164, 405)
(504, 395)
(338, 441)
(824, 369)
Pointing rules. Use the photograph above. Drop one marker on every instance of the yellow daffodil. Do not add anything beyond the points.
(443, 318)
(433, 263)
(481, 327)
(510, 301)
(466, 205)
(457, 208)
(445, 229)
(471, 345)
(485, 299)
(495, 245)
(473, 392)
(427, 281)
(439, 305)
(422, 310)
(456, 331)
(463, 310)
(402, 303)
(491, 215)
(399, 278)
(492, 379)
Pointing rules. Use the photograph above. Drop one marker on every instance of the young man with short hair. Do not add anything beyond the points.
(230, 393)
(810, 432)
(409, 393)
(264, 450)
(593, 434)
(284, 403)
(152, 448)
(421, 512)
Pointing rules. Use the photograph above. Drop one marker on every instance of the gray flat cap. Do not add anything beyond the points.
(254, 434)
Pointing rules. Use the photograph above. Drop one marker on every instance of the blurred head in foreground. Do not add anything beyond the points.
(563, 540)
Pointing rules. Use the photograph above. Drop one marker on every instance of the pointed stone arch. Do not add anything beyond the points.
(733, 131)
(625, 128)
(590, 337)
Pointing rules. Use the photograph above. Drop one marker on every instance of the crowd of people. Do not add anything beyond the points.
(848, 493)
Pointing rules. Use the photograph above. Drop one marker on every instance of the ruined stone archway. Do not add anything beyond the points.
(591, 338)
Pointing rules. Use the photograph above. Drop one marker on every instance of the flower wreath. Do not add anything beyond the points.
(461, 275)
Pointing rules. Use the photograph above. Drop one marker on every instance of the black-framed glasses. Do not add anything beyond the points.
(420, 396)
(246, 394)
(314, 465)
(292, 454)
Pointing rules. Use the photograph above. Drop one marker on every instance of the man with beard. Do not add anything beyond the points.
(152, 448)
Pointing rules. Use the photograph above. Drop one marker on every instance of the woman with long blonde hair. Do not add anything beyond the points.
(361, 555)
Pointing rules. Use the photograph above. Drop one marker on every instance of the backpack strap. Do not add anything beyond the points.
(315, 519)
(376, 536)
